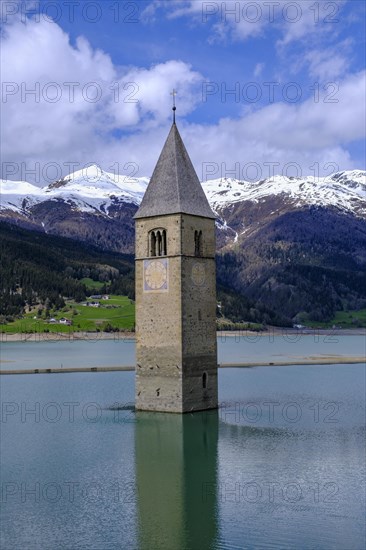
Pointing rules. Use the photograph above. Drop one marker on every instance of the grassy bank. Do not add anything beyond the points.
(117, 313)
(343, 319)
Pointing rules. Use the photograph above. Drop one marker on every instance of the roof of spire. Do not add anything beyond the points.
(174, 186)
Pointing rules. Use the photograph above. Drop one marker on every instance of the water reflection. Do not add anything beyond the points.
(176, 476)
(279, 466)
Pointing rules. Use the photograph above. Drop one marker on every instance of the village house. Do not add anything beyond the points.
(64, 321)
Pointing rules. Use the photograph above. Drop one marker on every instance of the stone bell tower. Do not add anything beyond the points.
(176, 367)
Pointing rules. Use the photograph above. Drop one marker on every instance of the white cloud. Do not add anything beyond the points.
(175, 8)
(232, 19)
(94, 98)
(258, 69)
(303, 133)
(244, 19)
(329, 63)
(314, 27)
(306, 21)
(109, 132)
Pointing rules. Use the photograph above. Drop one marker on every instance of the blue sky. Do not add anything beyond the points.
(262, 87)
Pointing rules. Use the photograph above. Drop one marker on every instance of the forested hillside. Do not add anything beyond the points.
(45, 269)
(38, 268)
(306, 264)
(290, 250)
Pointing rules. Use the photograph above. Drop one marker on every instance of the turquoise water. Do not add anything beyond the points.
(242, 348)
(280, 465)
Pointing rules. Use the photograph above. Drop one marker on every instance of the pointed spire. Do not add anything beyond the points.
(174, 186)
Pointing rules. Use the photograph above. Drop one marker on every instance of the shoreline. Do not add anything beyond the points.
(299, 362)
(64, 336)
(272, 332)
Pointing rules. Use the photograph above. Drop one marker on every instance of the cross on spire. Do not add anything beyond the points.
(174, 93)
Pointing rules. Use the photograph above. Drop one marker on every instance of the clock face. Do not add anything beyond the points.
(155, 275)
(198, 274)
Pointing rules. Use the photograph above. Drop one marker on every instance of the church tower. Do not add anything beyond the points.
(176, 367)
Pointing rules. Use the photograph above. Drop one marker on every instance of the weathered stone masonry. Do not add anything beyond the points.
(175, 289)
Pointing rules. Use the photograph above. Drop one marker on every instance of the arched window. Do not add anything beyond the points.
(152, 243)
(198, 243)
(158, 242)
(164, 243)
(204, 380)
(196, 247)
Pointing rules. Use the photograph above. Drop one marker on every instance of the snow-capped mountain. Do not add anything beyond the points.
(88, 190)
(93, 190)
(346, 190)
(292, 245)
(17, 195)
(98, 206)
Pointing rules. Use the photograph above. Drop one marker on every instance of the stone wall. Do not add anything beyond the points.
(176, 328)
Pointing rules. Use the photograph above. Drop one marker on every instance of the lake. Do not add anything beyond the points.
(242, 347)
(280, 465)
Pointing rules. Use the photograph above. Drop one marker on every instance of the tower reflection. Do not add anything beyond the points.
(176, 475)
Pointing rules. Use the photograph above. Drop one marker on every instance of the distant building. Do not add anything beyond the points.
(64, 321)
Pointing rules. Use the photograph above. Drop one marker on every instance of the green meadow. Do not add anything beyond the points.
(343, 319)
(117, 313)
(92, 285)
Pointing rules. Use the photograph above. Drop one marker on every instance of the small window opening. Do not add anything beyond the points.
(204, 380)
(158, 243)
(152, 244)
(198, 243)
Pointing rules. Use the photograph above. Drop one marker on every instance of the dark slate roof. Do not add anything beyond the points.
(174, 186)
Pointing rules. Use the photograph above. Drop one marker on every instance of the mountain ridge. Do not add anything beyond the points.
(96, 198)
(296, 246)
(339, 189)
